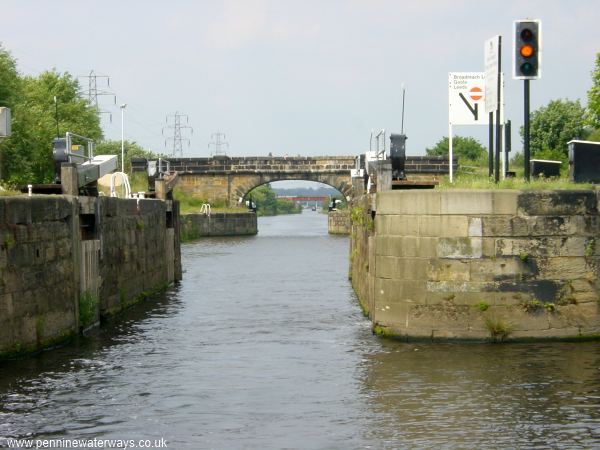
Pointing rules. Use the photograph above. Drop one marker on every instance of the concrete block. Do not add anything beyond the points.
(475, 227)
(557, 203)
(498, 269)
(396, 225)
(401, 268)
(565, 268)
(441, 317)
(488, 247)
(17, 210)
(523, 323)
(451, 287)
(458, 248)
(388, 291)
(542, 246)
(562, 225)
(448, 270)
(405, 246)
(512, 226)
(466, 202)
(505, 202)
(408, 202)
(577, 316)
(442, 226)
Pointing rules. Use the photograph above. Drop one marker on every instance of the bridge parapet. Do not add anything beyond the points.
(257, 164)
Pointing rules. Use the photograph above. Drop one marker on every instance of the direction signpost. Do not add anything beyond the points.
(466, 102)
(492, 56)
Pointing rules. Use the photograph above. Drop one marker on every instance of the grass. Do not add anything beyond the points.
(482, 181)
(9, 193)
(188, 204)
(88, 303)
(499, 330)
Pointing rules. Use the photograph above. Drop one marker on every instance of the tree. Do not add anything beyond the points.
(552, 126)
(9, 79)
(9, 90)
(463, 147)
(593, 109)
(268, 204)
(27, 155)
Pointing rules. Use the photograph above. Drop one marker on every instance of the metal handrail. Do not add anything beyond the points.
(205, 209)
(89, 146)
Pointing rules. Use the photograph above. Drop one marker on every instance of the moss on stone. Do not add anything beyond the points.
(20, 349)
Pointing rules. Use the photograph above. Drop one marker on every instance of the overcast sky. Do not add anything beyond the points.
(294, 77)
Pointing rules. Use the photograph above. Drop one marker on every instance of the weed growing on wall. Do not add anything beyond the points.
(357, 214)
(88, 304)
(590, 248)
(499, 330)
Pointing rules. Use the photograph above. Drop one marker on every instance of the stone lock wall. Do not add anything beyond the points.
(194, 226)
(37, 258)
(485, 264)
(134, 257)
(66, 261)
(338, 222)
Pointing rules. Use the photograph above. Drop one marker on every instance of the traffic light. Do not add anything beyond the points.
(527, 50)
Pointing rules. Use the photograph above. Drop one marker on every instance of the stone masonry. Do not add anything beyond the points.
(194, 226)
(468, 264)
(338, 222)
(67, 261)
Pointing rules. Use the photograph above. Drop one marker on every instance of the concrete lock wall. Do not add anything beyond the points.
(66, 261)
(481, 264)
(338, 222)
(194, 226)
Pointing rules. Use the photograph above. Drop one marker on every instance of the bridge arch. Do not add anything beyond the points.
(341, 183)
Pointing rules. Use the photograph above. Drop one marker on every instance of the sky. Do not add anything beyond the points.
(297, 77)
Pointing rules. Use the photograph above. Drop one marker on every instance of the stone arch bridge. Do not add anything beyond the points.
(224, 179)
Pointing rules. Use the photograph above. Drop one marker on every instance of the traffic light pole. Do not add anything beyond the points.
(498, 106)
(491, 144)
(526, 154)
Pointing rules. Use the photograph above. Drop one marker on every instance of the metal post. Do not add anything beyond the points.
(491, 144)
(497, 149)
(526, 155)
(56, 115)
(450, 154)
(123, 137)
(507, 143)
(498, 106)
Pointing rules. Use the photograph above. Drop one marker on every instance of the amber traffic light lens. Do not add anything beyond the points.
(526, 51)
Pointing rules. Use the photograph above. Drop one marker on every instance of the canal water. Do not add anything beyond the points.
(263, 346)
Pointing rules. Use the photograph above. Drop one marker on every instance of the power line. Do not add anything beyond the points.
(218, 143)
(93, 93)
(177, 138)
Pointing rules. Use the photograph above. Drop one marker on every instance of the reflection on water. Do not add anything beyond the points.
(263, 346)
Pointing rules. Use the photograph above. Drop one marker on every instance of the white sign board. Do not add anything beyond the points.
(5, 122)
(491, 52)
(466, 98)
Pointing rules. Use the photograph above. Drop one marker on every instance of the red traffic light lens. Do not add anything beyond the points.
(526, 51)
(526, 34)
